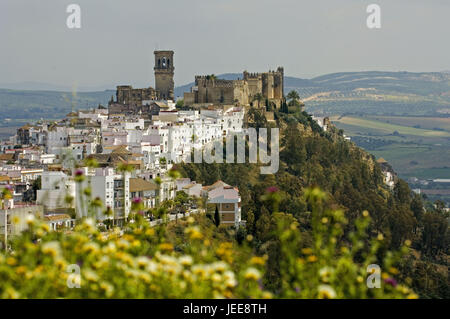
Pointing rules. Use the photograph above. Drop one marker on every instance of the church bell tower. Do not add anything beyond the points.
(164, 72)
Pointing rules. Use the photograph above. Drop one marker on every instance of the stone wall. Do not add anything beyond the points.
(209, 89)
(125, 94)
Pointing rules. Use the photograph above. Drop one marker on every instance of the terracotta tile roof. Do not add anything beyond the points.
(7, 157)
(121, 149)
(217, 184)
(140, 185)
(189, 186)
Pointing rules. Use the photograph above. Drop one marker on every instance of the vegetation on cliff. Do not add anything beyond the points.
(353, 183)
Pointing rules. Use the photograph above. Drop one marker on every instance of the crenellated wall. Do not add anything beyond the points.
(209, 89)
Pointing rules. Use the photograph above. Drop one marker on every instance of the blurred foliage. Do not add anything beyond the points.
(353, 182)
(194, 259)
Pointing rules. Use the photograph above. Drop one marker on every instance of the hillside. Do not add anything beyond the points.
(353, 183)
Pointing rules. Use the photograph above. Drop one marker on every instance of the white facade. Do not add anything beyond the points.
(55, 186)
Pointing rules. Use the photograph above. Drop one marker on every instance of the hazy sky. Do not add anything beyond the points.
(116, 41)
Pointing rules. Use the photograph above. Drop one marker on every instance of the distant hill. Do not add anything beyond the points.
(371, 92)
(40, 86)
(374, 92)
(31, 105)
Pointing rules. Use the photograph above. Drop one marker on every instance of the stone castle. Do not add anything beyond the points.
(253, 86)
(257, 89)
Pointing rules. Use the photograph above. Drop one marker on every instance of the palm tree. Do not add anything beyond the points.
(293, 97)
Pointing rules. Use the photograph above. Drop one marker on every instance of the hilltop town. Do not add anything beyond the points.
(143, 130)
(46, 164)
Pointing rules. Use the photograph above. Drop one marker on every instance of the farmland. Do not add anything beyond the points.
(414, 152)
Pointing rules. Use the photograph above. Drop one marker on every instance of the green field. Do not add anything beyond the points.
(419, 148)
(388, 128)
(428, 123)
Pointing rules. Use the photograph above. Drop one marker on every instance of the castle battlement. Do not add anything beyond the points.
(208, 81)
(209, 89)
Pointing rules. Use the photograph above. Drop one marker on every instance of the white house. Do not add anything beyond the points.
(226, 198)
(55, 186)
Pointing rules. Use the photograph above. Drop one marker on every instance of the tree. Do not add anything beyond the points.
(293, 98)
(180, 103)
(217, 217)
(240, 235)
(37, 184)
(263, 226)
(402, 192)
(417, 207)
(434, 235)
(181, 198)
(284, 107)
(158, 182)
(163, 162)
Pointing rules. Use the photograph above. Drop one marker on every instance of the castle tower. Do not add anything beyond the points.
(164, 71)
(279, 83)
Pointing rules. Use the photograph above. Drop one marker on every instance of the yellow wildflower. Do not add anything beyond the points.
(255, 260)
(252, 274)
(166, 247)
(194, 232)
(185, 260)
(326, 292)
(11, 261)
(21, 270)
(267, 295)
(51, 248)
